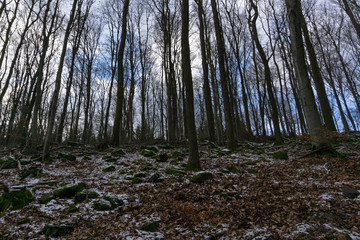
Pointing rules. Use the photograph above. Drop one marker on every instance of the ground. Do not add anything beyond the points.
(261, 191)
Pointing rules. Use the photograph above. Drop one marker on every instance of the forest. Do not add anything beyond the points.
(204, 119)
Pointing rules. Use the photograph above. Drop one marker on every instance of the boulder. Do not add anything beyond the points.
(350, 192)
(58, 230)
(201, 177)
(67, 156)
(150, 227)
(15, 200)
(85, 194)
(163, 157)
(69, 190)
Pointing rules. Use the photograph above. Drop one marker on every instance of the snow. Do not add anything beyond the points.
(353, 235)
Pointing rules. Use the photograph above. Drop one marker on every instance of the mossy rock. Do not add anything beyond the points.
(15, 200)
(108, 150)
(67, 156)
(140, 175)
(72, 209)
(233, 169)
(156, 178)
(8, 163)
(176, 154)
(58, 230)
(107, 203)
(33, 171)
(258, 151)
(106, 157)
(165, 146)
(150, 227)
(201, 177)
(46, 198)
(109, 169)
(281, 155)
(163, 157)
(23, 221)
(85, 194)
(264, 159)
(118, 153)
(128, 177)
(69, 190)
(137, 180)
(174, 171)
(224, 152)
(252, 171)
(147, 153)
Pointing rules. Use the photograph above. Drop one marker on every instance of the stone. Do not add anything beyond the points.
(69, 190)
(281, 155)
(118, 153)
(58, 230)
(109, 169)
(46, 198)
(8, 163)
(107, 203)
(33, 171)
(176, 154)
(201, 177)
(67, 156)
(150, 227)
(350, 192)
(85, 194)
(15, 200)
(147, 153)
(163, 157)
(166, 146)
(156, 178)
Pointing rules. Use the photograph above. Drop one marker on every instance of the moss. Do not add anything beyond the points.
(165, 146)
(128, 177)
(85, 194)
(233, 169)
(174, 171)
(264, 159)
(111, 160)
(109, 169)
(23, 221)
(8, 163)
(137, 180)
(57, 230)
(163, 157)
(224, 195)
(147, 153)
(69, 190)
(218, 213)
(72, 209)
(252, 171)
(124, 171)
(258, 151)
(140, 175)
(15, 200)
(103, 205)
(105, 157)
(46, 198)
(47, 159)
(202, 177)
(118, 152)
(176, 154)
(180, 180)
(150, 227)
(281, 155)
(67, 156)
(108, 150)
(156, 178)
(330, 237)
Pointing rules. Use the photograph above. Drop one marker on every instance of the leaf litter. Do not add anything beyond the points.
(250, 196)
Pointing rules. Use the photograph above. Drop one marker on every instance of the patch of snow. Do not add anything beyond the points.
(353, 235)
(326, 197)
(257, 233)
(302, 228)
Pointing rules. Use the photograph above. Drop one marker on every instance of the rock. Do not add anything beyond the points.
(46, 198)
(281, 155)
(15, 200)
(163, 157)
(137, 180)
(8, 163)
(58, 230)
(165, 146)
(85, 194)
(150, 227)
(140, 175)
(33, 171)
(67, 156)
(118, 153)
(72, 209)
(156, 178)
(201, 177)
(109, 169)
(176, 154)
(233, 169)
(69, 190)
(107, 203)
(174, 171)
(147, 153)
(350, 192)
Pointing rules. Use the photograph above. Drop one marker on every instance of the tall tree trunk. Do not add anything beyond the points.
(55, 96)
(120, 85)
(306, 92)
(272, 100)
(194, 160)
(206, 86)
(224, 80)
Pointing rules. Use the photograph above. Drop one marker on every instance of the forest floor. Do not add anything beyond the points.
(262, 191)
